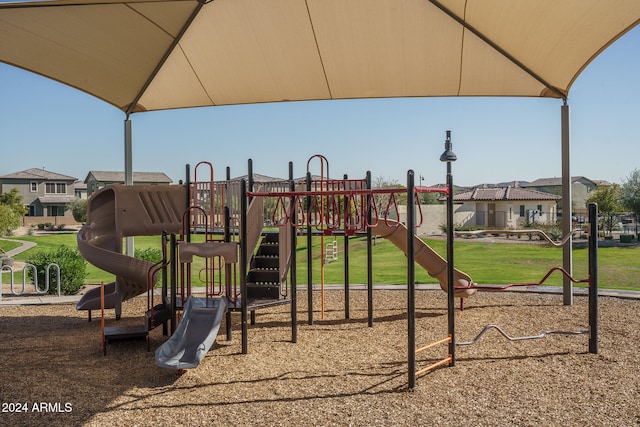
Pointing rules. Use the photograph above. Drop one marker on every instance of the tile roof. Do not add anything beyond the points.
(554, 182)
(36, 173)
(112, 176)
(503, 193)
(56, 199)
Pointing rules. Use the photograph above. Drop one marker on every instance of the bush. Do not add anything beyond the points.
(153, 255)
(149, 254)
(73, 269)
(626, 238)
(79, 210)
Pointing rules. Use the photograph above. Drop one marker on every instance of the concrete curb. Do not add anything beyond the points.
(35, 299)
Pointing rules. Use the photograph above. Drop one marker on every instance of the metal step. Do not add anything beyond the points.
(263, 276)
(260, 262)
(161, 314)
(269, 249)
(263, 291)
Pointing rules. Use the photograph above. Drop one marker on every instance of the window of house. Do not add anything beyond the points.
(55, 188)
(34, 186)
(55, 210)
(540, 209)
(521, 210)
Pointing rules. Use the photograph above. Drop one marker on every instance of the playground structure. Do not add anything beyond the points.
(230, 216)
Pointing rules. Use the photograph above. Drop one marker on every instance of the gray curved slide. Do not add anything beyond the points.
(195, 334)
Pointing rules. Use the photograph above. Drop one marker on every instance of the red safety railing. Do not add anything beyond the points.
(334, 205)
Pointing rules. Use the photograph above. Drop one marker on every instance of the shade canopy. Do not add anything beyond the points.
(144, 55)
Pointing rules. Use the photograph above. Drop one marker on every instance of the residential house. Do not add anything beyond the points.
(581, 189)
(505, 207)
(96, 180)
(80, 190)
(45, 194)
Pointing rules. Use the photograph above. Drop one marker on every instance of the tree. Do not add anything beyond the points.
(9, 220)
(79, 210)
(11, 211)
(609, 206)
(630, 193)
(13, 200)
(384, 202)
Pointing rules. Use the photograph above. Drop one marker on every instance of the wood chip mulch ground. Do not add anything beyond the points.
(340, 372)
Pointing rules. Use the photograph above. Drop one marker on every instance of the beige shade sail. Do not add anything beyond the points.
(143, 55)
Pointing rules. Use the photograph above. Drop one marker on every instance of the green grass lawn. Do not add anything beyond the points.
(486, 263)
(7, 245)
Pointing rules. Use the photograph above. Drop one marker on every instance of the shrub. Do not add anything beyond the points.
(149, 254)
(73, 269)
(153, 255)
(79, 210)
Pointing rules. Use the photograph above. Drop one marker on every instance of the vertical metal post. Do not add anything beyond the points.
(369, 254)
(128, 152)
(567, 256)
(173, 271)
(188, 195)
(227, 268)
(593, 278)
(243, 264)
(411, 286)
(292, 268)
(449, 157)
(165, 280)
(128, 174)
(450, 269)
(250, 175)
(346, 257)
(309, 252)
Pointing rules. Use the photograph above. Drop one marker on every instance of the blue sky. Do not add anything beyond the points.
(47, 125)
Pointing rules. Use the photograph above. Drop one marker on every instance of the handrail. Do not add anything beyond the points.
(254, 224)
(510, 338)
(526, 284)
(544, 235)
(358, 204)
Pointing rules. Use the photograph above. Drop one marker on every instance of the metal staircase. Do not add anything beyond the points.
(263, 277)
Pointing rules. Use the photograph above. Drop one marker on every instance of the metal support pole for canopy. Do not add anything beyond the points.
(128, 173)
(292, 268)
(369, 254)
(411, 283)
(593, 278)
(567, 257)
